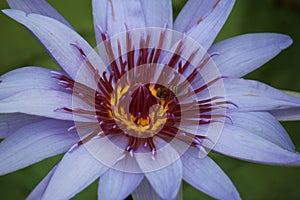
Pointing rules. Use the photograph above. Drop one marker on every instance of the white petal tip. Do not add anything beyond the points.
(73, 147)
(12, 12)
(285, 41)
(122, 157)
(71, 128)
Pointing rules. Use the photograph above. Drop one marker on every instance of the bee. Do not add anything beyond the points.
(164, 92)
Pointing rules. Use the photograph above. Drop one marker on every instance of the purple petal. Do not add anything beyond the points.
(114, 15)
(100, 17)
(38, 102)
(41, 7)
(202, 20)
(146, 192)
(38, 191)
(251, 95)
(241, 55)
(264, 125)
(122, 182)
(205, 175)
(56, 38)
(34, 143)
(166, 180)
(248, 145)
(192, 11)
(76, 171)
(124, 13)
(9, 123)
(27, 78)
(289, 114)
(158, 13)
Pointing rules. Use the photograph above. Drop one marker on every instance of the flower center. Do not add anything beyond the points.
(141, 101)
(137, 99)
(137, 111)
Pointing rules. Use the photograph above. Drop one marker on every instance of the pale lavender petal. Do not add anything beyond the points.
(9, 123)
(145, 192)
(124, 13)
(39, 190)
(33, 143)
(130, 13)
(264, 125)
(56, 38)
(251, 95)
(76, 170)
(115, 184)
(38, 102)
(202, 20)
(166, 180)
(241, 55)
(247, 145)
(99, 17)
(158, 13)
(41, 7)
(192, 11)
(205, 175)
(289, 114)
(27, 78)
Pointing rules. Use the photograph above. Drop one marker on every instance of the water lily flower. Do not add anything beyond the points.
(143, 109)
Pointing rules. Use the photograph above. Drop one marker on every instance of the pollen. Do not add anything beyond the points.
(143, 122)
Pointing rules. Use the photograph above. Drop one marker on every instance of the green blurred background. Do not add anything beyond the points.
(254, 181)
